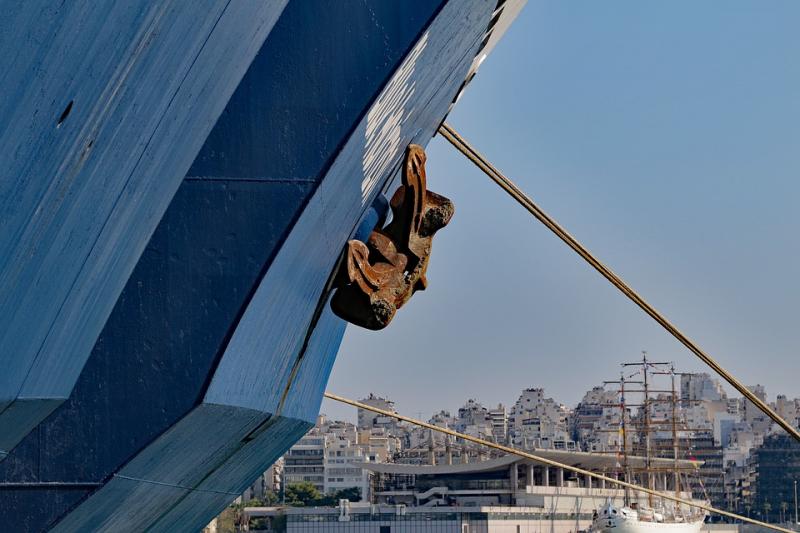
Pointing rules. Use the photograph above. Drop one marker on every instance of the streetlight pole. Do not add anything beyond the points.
(796, 521)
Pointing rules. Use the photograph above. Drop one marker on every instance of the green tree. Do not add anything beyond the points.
(302, 494)
(306, 494)
(332, 498)
(353, 494)
(327, 500)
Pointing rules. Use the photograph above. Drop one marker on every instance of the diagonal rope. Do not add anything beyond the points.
(551, 462)
(507, 185)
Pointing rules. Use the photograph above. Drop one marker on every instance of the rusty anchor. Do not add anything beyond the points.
(380, 276)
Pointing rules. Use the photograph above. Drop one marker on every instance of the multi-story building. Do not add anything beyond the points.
(370, 420)
(739, 466)
(537, 422)
(751, 414)
(305, 461)
(499, 418)
(696, 387)
(788, 409)
(709, 480)
(474, 420)
(596, 420)
(345, 430)
(379, 446)
(724, 424)
(776, 467)
(343, 470)
(331, 454)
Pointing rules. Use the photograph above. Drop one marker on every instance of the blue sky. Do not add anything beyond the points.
(666, 137)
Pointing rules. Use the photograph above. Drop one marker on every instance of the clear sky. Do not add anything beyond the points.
(666, 137)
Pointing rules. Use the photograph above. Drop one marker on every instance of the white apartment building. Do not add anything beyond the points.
(788, 409)
(701, 387)
(539, 422)
(499, 418)
(370, 420)
(473, 419)
(305, 461)
(342, 466)
(330, 454)
(595, 420)
(379, 445)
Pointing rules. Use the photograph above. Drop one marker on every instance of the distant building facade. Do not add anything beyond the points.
(536, 422)
(305, 461)
(776, 467)
(737, 469)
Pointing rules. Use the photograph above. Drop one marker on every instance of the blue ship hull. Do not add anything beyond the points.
(179, 183)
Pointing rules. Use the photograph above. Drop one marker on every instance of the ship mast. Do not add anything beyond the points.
(675, 453)
(645, 428)
(647, 451)
(623, 430)
(625, 468)
(676, 477)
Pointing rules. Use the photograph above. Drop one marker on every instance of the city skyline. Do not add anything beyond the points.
(726, 438)
(349, 414)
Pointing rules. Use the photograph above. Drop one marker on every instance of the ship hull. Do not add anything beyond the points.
(105, 106)
(626, 520)
(207, 355)
(636, 526)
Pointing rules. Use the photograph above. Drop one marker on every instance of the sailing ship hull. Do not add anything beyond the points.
(611, 519)
(180, 179)
(638, 526)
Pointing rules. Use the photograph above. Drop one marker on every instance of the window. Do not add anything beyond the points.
(386, 529)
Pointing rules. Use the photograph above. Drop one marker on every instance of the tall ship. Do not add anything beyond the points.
(184, 189)
(653, 432)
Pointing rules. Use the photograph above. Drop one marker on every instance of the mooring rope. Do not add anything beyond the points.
(551, 462)
(507, 185)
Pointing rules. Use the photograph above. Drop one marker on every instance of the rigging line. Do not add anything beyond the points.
(551, 462)
(507, 185)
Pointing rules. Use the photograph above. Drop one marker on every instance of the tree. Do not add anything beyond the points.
(270, 498)
(306, 494)
(302, 494)
(331, 499)
(353, 494)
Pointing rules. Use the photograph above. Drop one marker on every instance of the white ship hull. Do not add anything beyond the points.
(610, 519)
(638, 526)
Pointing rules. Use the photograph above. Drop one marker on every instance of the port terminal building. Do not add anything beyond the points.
(504, 494)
